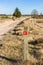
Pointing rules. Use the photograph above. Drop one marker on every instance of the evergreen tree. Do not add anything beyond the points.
(17, 13)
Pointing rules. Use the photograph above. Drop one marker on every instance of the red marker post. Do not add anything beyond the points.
(25, 34)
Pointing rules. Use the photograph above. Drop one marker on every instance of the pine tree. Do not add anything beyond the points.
(17, 13)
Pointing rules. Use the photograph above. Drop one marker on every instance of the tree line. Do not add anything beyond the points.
(17, 13)
(34, 13)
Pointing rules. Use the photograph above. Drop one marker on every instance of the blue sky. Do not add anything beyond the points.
(25, 6)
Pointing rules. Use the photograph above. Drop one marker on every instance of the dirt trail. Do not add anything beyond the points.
(8, 25)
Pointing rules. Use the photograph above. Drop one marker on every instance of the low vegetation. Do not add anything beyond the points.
(12, 47)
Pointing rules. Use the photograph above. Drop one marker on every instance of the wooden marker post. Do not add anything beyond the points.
(25, 33)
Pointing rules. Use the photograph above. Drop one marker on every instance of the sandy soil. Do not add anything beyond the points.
(9, 24)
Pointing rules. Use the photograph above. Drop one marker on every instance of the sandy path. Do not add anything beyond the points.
(10, 24)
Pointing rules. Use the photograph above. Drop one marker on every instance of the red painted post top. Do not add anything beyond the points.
(25, 33)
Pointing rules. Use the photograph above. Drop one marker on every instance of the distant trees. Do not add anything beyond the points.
(41, 15)
(34, 13)
(17, 13)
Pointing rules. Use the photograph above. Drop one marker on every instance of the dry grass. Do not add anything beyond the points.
(13, 47)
